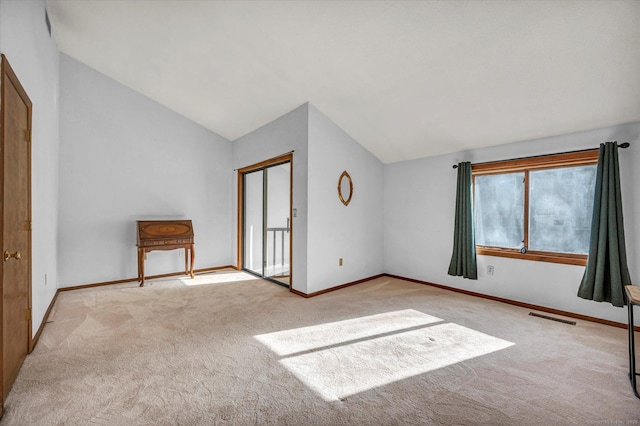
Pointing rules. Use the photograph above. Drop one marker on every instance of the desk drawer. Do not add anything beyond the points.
(166, 242)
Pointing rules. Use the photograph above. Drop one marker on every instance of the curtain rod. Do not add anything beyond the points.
(622, 145)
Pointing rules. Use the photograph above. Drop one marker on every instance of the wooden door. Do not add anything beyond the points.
(15, 154)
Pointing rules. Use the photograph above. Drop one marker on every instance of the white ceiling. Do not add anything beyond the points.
(405, 79)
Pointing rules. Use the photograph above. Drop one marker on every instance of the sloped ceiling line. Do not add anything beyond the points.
(405, 79)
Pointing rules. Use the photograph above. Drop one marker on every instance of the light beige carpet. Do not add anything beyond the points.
(228, 349)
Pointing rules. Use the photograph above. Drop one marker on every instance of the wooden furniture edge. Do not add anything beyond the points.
(338, 287)
(633, 294)
(520, 304)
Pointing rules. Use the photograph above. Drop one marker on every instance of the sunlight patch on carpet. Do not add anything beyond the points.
(217, 278)
(347, 357)
(302, 339)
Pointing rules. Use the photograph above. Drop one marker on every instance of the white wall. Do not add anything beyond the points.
(285, 134)
(419, 200)
(123, 157)
(33, 55)
(352, 232)
(324, 229)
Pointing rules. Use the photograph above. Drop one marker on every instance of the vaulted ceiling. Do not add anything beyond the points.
(405, 79)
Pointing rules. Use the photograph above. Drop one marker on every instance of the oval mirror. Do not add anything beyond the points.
(345, 188)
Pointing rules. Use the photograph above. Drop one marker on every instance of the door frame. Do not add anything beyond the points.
(7, 70)
(281, 159)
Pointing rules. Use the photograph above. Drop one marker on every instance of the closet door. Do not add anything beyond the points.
(15, 227)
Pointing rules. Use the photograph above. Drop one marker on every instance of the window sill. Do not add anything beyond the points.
(539, 256)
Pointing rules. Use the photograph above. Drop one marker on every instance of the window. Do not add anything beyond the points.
(536, 208)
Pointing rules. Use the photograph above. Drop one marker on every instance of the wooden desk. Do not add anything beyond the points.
(165, 235)
(633, 298)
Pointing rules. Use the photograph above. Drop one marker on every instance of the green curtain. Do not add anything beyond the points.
(463, 259)
(606, 273)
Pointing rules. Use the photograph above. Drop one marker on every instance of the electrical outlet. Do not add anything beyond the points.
(340, 262)
(180, 252)
(490, 270)
(45, 279)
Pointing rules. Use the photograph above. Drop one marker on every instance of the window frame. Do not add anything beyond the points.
(543, 162)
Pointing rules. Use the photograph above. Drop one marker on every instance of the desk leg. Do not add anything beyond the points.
(193, 256)
(141, 266)
(186, 261)
(632, 352)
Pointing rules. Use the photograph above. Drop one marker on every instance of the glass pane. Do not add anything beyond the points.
(253, 222)
(560, 209)
(278, 194)
(499, 210)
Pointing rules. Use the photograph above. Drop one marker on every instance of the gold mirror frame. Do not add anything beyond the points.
(342, 176)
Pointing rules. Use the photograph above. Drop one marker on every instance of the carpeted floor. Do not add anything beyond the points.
(228, 349)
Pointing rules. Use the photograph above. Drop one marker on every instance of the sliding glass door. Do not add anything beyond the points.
(253, 222)
(278, 222)
(266, 221)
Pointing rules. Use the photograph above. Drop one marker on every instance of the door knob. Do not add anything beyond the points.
(8, 255)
